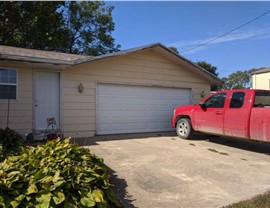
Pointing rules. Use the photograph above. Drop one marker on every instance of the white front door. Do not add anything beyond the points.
(47, 98)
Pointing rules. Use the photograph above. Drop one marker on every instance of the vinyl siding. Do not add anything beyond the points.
(146, 68)
(21, 113)
(78, 110)
(261, 81)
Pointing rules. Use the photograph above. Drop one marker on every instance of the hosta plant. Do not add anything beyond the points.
(56, 174)
(10, 142)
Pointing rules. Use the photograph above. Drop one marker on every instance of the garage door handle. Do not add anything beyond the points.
(219, 113)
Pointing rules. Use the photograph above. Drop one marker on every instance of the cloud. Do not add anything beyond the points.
(192, 46)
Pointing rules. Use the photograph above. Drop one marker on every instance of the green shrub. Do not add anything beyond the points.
(56, 174)
(10, 142)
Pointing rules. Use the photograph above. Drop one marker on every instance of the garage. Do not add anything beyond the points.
(134, 109)
(129, 91)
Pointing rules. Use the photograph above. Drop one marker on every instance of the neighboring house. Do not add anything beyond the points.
(261, 79)
(129, 91)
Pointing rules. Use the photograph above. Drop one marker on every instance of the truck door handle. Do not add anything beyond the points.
(219, 113)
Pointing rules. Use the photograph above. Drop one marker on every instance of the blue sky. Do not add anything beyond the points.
(185, 25)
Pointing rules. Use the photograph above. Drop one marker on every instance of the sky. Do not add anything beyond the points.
(186, 25)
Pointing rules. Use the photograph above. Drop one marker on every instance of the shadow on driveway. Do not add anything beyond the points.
(115, 137)
(253, 146)
(120, 189)
(259, 147)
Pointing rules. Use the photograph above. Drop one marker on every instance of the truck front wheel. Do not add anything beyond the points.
(184, 128)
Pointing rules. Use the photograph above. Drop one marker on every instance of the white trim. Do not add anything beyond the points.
(142, 85)
(11, 84)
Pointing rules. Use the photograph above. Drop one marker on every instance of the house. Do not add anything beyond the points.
(261, 79)
(129, 91)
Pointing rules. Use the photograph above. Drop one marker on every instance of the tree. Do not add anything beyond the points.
(236, 80)
(208, 67)
(82, 27)
(89, 26)
(239, 79)
(30, 24)
(174, 49)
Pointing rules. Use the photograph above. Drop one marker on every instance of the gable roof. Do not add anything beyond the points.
(39, 56)
(261, 71)
(160, 48)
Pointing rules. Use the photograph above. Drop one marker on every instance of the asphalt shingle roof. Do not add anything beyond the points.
(260, 71)
(31, 54)
(40, 56)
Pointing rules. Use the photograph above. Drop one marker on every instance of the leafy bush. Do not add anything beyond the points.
(10, 142)
(56, 174)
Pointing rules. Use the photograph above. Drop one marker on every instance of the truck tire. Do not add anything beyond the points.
(184, 128)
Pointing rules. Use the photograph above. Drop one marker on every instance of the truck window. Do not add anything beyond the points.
(237, 100)
(262, 99)
(216, 101)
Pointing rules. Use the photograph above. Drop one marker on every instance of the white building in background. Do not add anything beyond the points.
(261, 79)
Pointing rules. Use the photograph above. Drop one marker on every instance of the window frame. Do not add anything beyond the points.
(220, 94)
(243, 102)
(255, 104)
(11, 84)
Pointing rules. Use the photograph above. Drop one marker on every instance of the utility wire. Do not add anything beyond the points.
(209, 41)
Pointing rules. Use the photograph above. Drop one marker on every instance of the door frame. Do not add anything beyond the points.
(35, 71)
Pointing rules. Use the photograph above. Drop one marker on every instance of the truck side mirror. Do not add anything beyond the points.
(202, 105)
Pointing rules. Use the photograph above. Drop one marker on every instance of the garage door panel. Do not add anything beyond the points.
(131, 109)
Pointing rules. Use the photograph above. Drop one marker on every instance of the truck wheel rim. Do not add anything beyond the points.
(183, 129)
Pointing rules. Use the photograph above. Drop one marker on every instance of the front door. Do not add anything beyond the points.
(210, 117)
(47, 98)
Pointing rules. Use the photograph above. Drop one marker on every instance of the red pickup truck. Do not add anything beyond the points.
(234, 113)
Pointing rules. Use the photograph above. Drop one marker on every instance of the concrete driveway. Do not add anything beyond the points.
(161, 170)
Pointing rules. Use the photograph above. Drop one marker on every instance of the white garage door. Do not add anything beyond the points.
(132, 109)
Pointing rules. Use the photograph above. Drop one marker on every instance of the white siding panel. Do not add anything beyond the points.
(129, 109)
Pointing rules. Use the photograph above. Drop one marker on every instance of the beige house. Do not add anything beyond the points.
(261, 79)
(129, 91)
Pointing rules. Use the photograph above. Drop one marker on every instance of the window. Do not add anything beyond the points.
(237, 100)
(216, 101)
(262, 99)
(8, 83)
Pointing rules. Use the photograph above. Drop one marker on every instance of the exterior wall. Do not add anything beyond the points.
(146, 68)
(21, 113)
(78, 110)
(261, 81)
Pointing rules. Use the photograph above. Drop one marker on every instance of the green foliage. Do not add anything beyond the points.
(32, 24)
(57, 174)
(259, 201)
(208, 67)
(82, 27)
(237, 80)
(10, 142)
(174, 49)
(89, 25)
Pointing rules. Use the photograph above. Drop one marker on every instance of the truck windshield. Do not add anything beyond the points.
(262, 99)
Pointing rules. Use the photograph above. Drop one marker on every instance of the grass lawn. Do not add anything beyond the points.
(260, 201)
